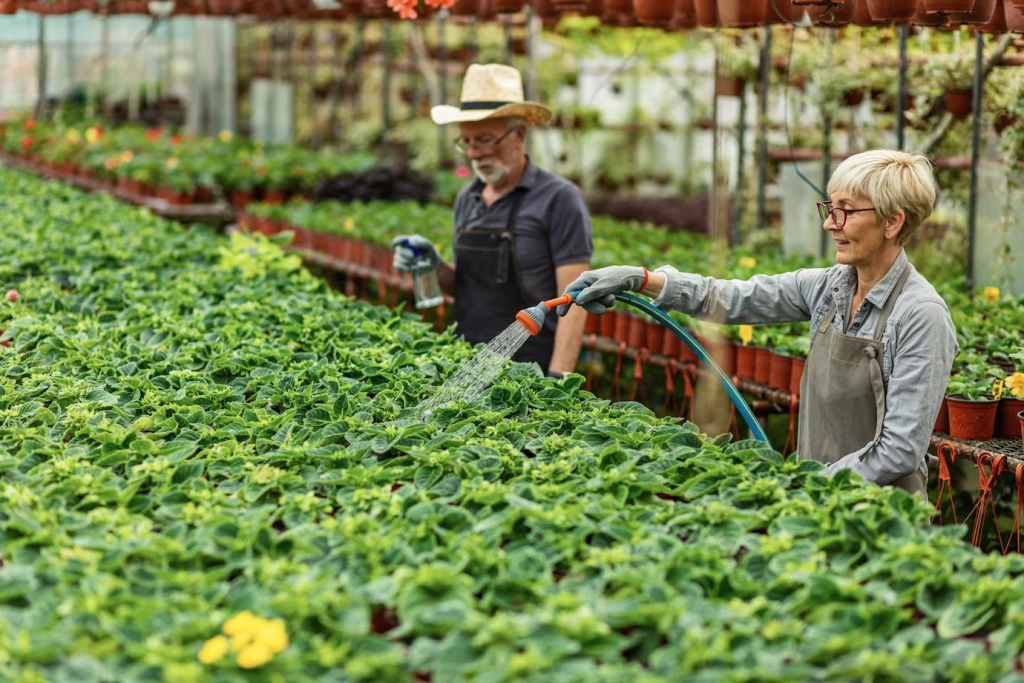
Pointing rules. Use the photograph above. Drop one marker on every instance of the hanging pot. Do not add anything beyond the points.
(822, 3)
(900, 11)
(1014, 18)
(979, 16)
(707, 13)
(948, 6)
(685, 18)
(508, 6)
(862, 16)
(8, 6)
(471, 8)
(654, 12)
(959, 103)
(839, 16)
(742, 13)
(728, 86)
(783, 12)
(997, 24)
(922, 18)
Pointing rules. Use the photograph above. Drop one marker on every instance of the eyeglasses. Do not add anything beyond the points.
(825, 209)
(464, 144)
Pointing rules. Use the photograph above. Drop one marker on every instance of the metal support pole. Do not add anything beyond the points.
(762, 129)
(41, 73)
(901, 88)
(69, 57)
(826, 132)
(414, 73)
(532, 90)
(972, 212)
(741, 162)
(506, 30)
(385, 91)
(442, 137)
(105, 60)
(314, 137)
(332, 116)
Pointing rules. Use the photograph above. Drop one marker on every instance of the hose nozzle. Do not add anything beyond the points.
(533, 318)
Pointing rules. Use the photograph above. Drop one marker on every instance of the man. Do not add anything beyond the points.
(521, 234)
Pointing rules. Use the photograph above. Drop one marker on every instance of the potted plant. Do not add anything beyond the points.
(972, 410)
(955, 74)
(739, 62)
(1011, 403)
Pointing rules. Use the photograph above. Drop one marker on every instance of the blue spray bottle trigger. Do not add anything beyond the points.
(416, 251)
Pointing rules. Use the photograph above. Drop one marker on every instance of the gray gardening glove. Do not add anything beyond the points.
(600, 286)
(406, 258)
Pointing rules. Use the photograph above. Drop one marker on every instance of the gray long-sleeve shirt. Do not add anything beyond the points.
(919, 339)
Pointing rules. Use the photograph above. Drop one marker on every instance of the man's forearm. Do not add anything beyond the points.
(568, 338)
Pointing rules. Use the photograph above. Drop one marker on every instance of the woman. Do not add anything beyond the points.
(882, 341)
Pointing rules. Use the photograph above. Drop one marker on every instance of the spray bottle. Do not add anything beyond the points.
(425, 286)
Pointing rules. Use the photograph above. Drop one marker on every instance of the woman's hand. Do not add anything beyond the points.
(597, 288)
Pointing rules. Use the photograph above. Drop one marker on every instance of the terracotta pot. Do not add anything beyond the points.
(707, 13)
(942, 419)
(508, 6)
(670, 346)
(997, 24)
(322, 242)
(727, 86)
(622, 328)
(862, 17)
(8, 7)
(240, 198)
(1020, 416)
(273, 197)
(724, 354)
(948, 6)
(684, 18)
(841, 14)
(900, 11)
(685, 353)
(468, 8)
(972, 420)
(654, 12)
(959, 103)
(745, 362)
(1014, 19)
(637, 336)
(762, 364)
(781, 368)
(592, 325)
(608, 320)
(742, 13)
(1007, 423)
(796, 374)
(979, 16)
(922, 18)
(853, 98)
(656, 336)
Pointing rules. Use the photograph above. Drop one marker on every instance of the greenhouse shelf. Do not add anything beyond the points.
(1011, 448)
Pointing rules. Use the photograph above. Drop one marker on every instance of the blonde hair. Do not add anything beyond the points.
(892, 181)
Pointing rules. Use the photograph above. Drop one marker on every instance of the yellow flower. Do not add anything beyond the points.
(272, 635)
(92, 134)
(243, 622)
(171, 163)
(349, 224)
(213, 650)
(73, 135)
(225, 136)
(127, 156)
(254, 655)
(748, 262)
(1016, 384)
(991, 294)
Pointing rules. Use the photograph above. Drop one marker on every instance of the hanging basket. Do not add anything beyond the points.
(508, 6)
(979, 16)
(948, 6)
(742, 13)
(729, 86)
(684, 18)
(783, 12)
(923, 19)
(862, 16)
(896, 11)
(8, 7)
(654, 12)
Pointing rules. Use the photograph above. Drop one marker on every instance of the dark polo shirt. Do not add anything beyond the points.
(552, 227)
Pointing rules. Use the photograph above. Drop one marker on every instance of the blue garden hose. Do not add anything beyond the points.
(533, 319)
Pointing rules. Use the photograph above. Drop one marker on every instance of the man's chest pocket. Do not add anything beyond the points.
(533, 253)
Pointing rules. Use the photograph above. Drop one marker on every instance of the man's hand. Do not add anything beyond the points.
(597, 288)
(406, 248)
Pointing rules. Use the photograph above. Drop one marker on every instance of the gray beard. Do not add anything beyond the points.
(493, 178)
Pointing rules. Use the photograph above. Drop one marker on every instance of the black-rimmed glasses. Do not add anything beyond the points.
(825, 209)
(464, 144)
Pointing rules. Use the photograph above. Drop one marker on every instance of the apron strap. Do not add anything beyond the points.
(883, 317)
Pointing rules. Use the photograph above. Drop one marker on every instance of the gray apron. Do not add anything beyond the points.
(843, 393)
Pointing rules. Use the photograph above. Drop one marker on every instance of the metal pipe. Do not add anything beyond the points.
(506, 30)
(972, 211)
(762, 128)
(901, 87)
(741, 162)
(826, 131)
(41, 74)
(442, 82)
(385, 90)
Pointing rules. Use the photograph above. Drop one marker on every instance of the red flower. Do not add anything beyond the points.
(27, 141)
(153, 134)
(30, 124)
(175, 140)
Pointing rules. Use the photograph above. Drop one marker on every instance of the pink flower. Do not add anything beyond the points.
(462, 172)
(12, 295)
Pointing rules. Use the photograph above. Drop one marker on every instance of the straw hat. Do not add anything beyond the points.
(491, 91)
